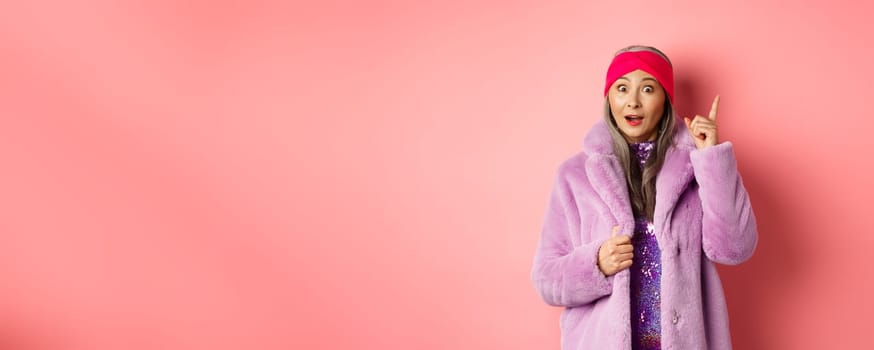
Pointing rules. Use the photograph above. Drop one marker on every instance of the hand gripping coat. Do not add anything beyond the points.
(702, 216)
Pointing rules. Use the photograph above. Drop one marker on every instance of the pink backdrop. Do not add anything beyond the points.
(258, 175)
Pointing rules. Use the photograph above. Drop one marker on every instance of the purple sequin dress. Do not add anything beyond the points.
(646, 271)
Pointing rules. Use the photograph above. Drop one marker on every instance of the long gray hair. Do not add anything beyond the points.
(642, 185)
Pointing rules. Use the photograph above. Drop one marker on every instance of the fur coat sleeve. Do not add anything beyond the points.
(728, 231)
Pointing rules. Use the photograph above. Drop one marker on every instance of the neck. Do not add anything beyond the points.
(640, 139)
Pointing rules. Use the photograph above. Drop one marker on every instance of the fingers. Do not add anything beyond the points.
(700, 120)
(616, 238)
(623, 250)
(624, 257)
(623, 265)
(620, 248)
(701, 127)
(623, 239)
(714, 108)
(621, 261)
(613, 249)
(616, 253)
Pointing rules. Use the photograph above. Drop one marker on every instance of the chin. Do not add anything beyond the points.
(631, 135)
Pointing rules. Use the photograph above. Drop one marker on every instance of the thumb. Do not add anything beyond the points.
(615, 228)
(688, 123)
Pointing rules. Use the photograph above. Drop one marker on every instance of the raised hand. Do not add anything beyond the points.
(703, 129)
(615, 254)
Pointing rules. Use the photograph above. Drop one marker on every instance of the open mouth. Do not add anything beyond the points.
(633, 120)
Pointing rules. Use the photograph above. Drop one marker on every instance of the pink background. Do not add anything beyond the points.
(259, 175)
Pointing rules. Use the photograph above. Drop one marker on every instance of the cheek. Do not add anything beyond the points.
(656, 105)
(615, 104)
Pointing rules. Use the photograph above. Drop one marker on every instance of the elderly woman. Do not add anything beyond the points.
(637, 219)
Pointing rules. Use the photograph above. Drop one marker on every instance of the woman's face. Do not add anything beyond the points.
(637, 103)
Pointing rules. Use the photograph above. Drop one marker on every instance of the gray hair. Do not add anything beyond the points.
(642, 185)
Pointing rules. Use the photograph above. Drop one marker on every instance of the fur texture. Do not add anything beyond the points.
(703, 215)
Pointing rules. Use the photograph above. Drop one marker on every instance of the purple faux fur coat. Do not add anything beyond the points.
(702, 216)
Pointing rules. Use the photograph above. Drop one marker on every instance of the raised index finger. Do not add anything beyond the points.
(714, 108)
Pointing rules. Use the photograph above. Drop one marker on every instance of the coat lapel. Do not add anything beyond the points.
(608, 179)
(673, 178)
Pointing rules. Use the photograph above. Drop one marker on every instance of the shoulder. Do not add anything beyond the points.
(571, 174)
(575, 164)
(597, 144)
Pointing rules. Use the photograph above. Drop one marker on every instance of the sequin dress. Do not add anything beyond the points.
(646, 270)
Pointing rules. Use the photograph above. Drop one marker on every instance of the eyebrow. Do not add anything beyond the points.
(647, 78)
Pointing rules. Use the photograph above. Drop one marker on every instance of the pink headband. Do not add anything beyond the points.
(646, 61)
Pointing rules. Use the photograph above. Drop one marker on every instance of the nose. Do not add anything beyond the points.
(633, 100)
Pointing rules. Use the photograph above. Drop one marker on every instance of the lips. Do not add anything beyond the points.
(633, 120)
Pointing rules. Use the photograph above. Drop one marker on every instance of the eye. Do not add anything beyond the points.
(621, 88)
(648, 88)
